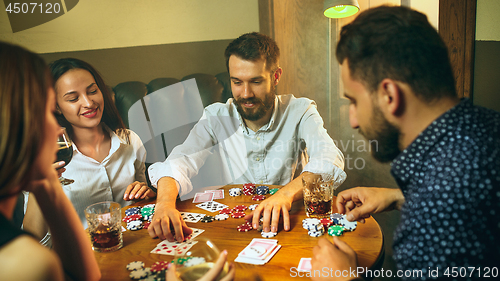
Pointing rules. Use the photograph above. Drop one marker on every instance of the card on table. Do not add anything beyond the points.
(259, 251)
(304, 265)
(191, 217)
(203, 197)
(170, 248)
(218, 194)
(212, 206)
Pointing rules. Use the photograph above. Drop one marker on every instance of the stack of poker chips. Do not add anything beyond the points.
(136, 215)
(249, 189)
(313, 226)
(335, 230)
(336, 217)
(236, 191)
(273, 190)
(262, 190)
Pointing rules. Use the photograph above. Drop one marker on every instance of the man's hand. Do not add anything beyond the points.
(271, 208)
(358, 203)
(167, 224)
(138, 190)
(336, 257)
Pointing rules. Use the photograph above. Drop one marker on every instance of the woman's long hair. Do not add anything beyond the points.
(24, 81)
(110, 115)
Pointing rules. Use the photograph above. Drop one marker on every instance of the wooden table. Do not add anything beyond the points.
(366, 240)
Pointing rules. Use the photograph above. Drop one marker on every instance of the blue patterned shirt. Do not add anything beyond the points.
(450, 177)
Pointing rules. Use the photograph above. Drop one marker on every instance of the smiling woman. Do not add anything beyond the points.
(108, 159)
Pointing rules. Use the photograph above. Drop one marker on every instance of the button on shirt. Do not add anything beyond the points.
(450, 177)
(106, 181)
(268, 155)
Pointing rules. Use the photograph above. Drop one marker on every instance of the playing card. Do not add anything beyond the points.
(191, 217)
(304, 265)
(218, 194)
(196, 232)
(258, 249)
(212, 206)
(203, 197)
(173, 248)
(252, 251)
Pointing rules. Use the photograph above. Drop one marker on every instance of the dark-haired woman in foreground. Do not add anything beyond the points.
(28, 148)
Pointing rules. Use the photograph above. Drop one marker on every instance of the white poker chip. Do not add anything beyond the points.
(260, 227)
(149, 205)
(235, 191)
(268, 234)
(134, 225)
(135, 265)
(349, 225)
(221, 217)
(138, 274)
(194, 261)
(315, 233)
(253, 207)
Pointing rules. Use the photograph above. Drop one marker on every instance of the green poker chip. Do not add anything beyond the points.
(335, 230)
(273, 190)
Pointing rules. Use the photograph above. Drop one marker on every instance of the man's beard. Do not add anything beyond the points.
(261, 107)
(385, 136)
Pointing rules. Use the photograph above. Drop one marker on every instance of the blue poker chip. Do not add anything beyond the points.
(132, 211)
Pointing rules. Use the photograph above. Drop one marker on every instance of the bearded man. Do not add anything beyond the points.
(259, 133)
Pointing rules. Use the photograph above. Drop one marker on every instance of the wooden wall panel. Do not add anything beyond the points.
(457, 20)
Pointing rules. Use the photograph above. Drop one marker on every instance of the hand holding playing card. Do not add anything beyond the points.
(167, 222)
(212, 274)
(337, 256)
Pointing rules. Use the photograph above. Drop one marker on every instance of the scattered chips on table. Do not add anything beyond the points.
(240, 208)
(244, 227)
(226, 211)
(258, 197)
(135, 265)
(253, 207)
(238, 215)
(207, 218)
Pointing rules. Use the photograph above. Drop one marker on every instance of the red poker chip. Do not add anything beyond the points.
(326, 222)
(244, 227)
(134, 217)
(240, 208)
(226, 211)
(248, 185)
(146, 224)
(159, 266)
(258, 197)
(238, 215)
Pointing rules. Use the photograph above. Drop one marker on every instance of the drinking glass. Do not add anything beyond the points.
(318, 195)
(105, 226)
(65, 153)
(197, 261)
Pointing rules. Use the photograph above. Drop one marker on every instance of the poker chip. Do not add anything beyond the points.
(159, 266)
(146, 224)
(349, 225)
(253, 207)
(315, 233)
(134, 225)
(336, 217)
(236, 191)
(273, 190)
(135, 265)
(249, 189)
(181, 261)
(194, 261)
(335, 230)
(244, 227)
(207, 218)
(238, 215)
(268, 234)
(262, 190)
(149, 205)
(138, 274)
(133, 217)
(221, 217)
(312, 224)
(132, 211)
(248, 185)
(258, 197)
(226, 211)
(240, 208)
(326, 222)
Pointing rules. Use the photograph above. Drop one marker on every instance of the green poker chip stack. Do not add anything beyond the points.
(273, 190)
(335, 230)
(181, 261)
(147, 211)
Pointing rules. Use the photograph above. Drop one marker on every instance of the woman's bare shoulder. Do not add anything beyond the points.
(25, 259)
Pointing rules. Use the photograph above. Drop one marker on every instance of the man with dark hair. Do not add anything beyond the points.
(445, 152)
(259, 133)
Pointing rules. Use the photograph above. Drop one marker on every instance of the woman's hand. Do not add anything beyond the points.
(138, 190)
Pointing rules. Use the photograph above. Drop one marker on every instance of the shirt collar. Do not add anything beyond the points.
(427, 139)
